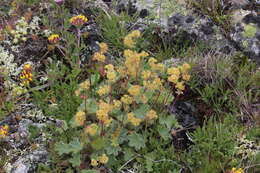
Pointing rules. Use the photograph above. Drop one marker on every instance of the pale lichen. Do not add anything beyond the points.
(249, 31)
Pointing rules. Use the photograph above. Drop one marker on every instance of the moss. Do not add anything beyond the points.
(250, 31)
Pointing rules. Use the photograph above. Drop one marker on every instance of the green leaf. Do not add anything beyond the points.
(75, 160)
(164, 132)
(90, 104)
(136, 140)
(98, 143)
(94, 79)
(111, 150)
(168, 120)
(141, 111)
(74, 146)
(128, 153)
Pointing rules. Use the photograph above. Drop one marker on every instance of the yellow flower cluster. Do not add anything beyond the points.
(26, 75)
(126, 99)
(103, 47)
(80, 118)
(132, 119)
(82, 86)
(151, 115)
(102, 113)
(178, 75)
(54, 38)
(78, 20)
(129, 39)
(156, 66)
(110, 73)
(103, 90)
(134, 90)
(154, 84)
(132, 61)
(117, 104)
(239, 170)
(4, 131)
(99, 56)
(91, 129)
(103, 159)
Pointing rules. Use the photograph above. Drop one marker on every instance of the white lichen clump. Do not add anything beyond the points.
(7, 64)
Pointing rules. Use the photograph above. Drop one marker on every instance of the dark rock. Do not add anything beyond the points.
(144, 13)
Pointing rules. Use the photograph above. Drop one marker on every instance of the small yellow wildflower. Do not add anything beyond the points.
(134, 90)
(103, 90)
(94, 162)
(109, 67)
(173, 78)
(103, 159)
(117, 104)
(91, 129)
(132, 119)
(54, 38)
(4, 131)
(103, 47)
(180, 86)
(185, 67)
(143, 54)
(239, 170)
(152, 61)
(85, 85)
(134, 34)
(99, 57)
(146, 74)
(26, 74)
(78, 20)
(129, 42)
(173, 71)
(80, 118)
(186, 77)
(151, 115)
(126, 99)
(111, 76)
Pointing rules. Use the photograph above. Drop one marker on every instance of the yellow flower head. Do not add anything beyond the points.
(103, 159)
(103, 90)
(129, 42)
(152, 61)
(91, 129)
(94, 162)
(54, 38)
(173, 71)
(117, 104)
(78, 20)
(109, 67)
(80, 118)
(85, 85)
(134, 90)
(173, 78)
(186, 77)
(133, 120)
(103, 47)
(185, 67)
(4, 131)
(151, 115)
(180, 86)
(235, 170)
(146, 74)
(99, 57)
(134, 34)
(111, 76)
(126, 99)
(26, 74)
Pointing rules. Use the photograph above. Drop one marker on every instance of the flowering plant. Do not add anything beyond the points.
(121, 102)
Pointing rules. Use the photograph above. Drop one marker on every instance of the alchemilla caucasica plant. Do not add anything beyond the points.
(121, 102)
